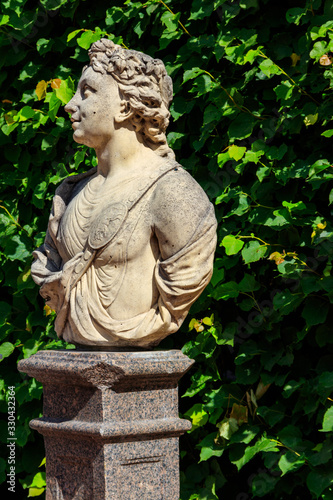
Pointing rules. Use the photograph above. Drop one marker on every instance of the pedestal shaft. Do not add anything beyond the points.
(110, 424)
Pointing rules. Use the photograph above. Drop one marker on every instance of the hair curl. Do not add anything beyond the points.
(144, 83)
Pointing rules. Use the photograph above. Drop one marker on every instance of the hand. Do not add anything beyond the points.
(68, 269)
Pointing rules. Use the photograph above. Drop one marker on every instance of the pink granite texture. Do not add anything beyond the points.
(110, 423)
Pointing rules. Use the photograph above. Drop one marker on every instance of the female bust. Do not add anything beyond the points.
(130, 244)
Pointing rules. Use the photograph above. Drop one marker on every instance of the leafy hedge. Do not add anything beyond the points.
(252, 121)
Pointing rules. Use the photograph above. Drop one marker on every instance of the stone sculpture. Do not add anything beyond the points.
(130, 244)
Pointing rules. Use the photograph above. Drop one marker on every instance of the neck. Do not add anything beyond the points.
(122, 154)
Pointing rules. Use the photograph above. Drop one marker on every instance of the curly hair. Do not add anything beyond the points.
(144, 83)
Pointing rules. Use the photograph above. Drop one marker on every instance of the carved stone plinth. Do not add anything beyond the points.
(110, 424)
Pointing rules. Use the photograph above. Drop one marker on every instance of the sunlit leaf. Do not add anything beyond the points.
(41, 89)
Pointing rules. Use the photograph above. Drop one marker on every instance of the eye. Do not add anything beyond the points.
(86, 90)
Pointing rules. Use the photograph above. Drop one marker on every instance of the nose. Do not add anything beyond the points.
(71, 106)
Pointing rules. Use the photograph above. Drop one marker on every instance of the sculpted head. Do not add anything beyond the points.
(144, 89)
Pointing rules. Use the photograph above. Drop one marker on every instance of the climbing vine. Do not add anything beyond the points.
(252, 122)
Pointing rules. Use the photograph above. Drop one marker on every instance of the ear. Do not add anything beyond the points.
(124, 113)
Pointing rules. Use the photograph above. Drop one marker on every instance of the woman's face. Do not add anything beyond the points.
(93, 108)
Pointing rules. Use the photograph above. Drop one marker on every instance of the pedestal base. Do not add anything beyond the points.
(110, 424)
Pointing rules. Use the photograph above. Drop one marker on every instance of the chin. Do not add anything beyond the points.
(79, 139)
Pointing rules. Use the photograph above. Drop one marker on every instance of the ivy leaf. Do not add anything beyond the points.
(65, 91)
(169, 36)
(271, 415)
(252, 54)
(325, 381)
(200, 9)
(232, 244)
(190, 74)
(295, 14)
(241, 127)
(253, 251)
(315, 311)
(269, 68)
(218, 275)
(227, 427)
(54, 105)
(310, 119)
(318, 166)
(6, 349)
(18, 248)
(295, 207)
(263, 172)
(73, 35)
(285, 302)
(239, 413)
(39, 480)
(56, 83)
(236, 152)
(52, 4)
(262, 445)
(41, 89)
(292, 386)
(209, 448)
(89, 37)
(284, 90)
(197, 415)
(170, 20)
(253, 156)
(226, 291)
(199, 381)
(44, 45)
(4, 19)
(248, 284)
(48, 142)
(21, 434)
(331, 197)
(35, 492)
(247, 352)
(318, 480)
(327, 133)
(328, 421)
(30, 347)
(319, 49)
(202, 85)
(290, 462)
(25, 114)
(245, 434)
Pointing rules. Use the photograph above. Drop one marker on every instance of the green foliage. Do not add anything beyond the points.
(251, 121)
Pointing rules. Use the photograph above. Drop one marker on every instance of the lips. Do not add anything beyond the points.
(75, 122)
(74, 119)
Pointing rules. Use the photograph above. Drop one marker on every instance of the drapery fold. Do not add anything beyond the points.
(82, 317)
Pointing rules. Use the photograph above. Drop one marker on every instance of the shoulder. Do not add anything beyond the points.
(178, 208)
(178, 192)
(73, 182)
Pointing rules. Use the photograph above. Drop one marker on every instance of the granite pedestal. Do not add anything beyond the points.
(110, 423)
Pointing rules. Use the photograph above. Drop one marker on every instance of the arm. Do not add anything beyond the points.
(48, 269)
(185, 227)
(179, 206)
(49, 272)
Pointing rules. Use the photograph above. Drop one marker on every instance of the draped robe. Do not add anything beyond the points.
(94, 306)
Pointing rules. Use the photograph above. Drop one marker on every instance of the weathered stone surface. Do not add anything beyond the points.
(130, 244)
(110, 423)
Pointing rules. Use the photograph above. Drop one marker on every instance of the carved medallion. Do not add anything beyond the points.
(107, 225)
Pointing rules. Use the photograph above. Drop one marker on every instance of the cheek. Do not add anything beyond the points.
(88, 114)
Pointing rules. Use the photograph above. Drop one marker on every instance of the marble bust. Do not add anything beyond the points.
(130, 244)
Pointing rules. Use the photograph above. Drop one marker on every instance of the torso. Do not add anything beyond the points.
(126, 264)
